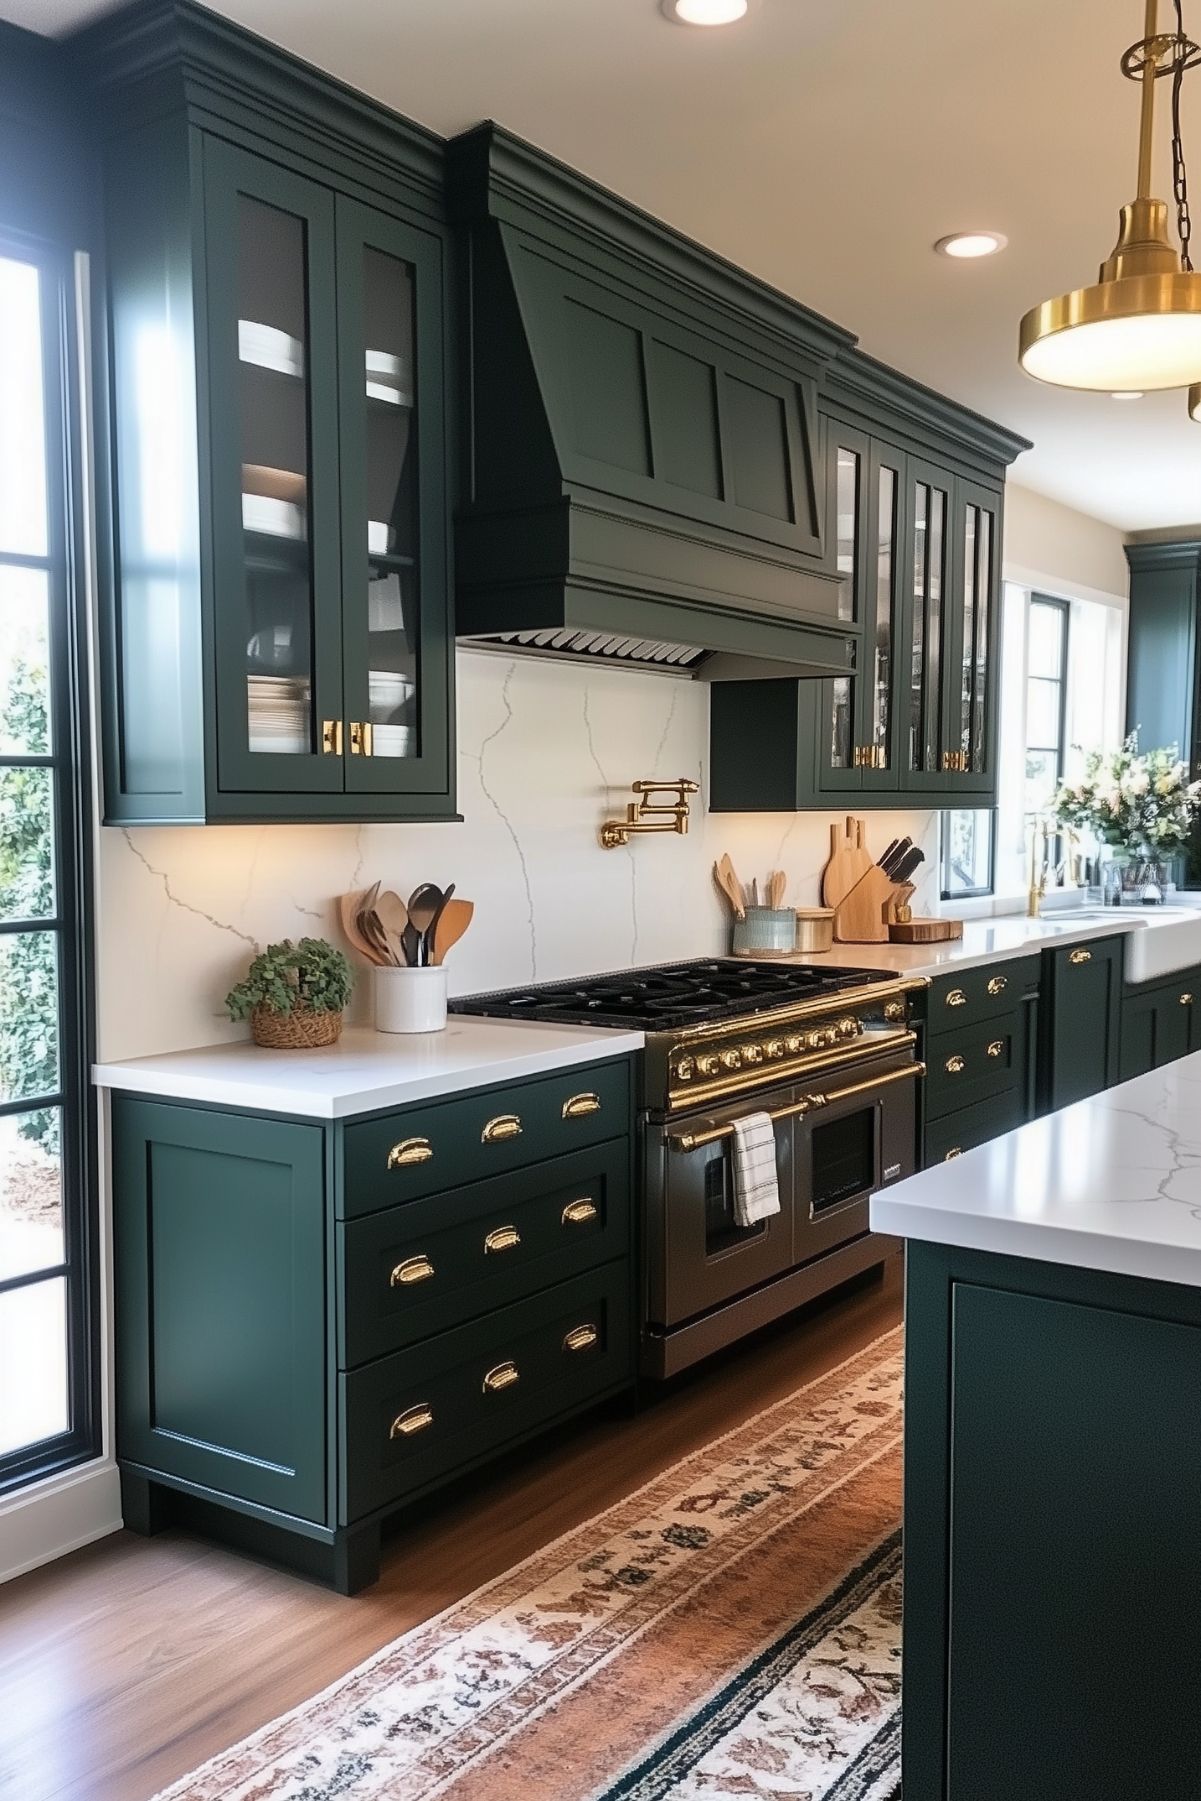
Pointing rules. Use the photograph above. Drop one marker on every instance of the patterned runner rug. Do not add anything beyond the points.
(730, 1630)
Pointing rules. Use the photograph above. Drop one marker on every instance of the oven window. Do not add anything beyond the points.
(843, 1159)
(721, 1228)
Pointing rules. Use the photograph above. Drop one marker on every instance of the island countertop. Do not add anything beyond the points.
(1112, 1183)
(366, 1070)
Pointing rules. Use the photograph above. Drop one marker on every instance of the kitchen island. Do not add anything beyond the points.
(1052, 1637)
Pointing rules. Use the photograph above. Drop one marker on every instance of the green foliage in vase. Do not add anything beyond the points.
(28, 964)
(1139, 802)
(311, 973)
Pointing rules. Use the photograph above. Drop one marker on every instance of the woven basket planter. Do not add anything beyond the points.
(299, 1030)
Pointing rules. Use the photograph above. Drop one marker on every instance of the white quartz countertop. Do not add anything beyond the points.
(1112, 1183)
(365, 1070)
(991, 941)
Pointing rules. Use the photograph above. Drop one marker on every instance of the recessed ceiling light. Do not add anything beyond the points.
(967, 244)
(1127, 394)
(705, 12)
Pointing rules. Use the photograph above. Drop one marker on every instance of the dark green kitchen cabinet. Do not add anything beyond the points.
(277, 638)
(1163, 687)
(1080, 1008)
(1160, 1022)
(318, 1322)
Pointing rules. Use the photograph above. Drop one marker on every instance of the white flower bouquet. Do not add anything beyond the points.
(1143, 803)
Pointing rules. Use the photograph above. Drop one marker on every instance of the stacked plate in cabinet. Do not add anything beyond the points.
(278, 709)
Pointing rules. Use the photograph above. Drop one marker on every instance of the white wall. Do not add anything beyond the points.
(546, 751)
(1054, 548)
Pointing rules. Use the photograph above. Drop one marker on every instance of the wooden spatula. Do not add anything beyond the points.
(731, 885)
(456, 917)
(777, 882)
(348, 915)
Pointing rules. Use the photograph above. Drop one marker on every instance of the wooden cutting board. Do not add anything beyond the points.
(850, 860)
(925, 931)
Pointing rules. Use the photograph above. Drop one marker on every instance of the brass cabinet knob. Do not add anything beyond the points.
(581, 1338)
(580, 1105)
(998, 984)
(413, 1269)
(578, 1213)
(505, 1125)
(954, 1066)
(1080, 955)
(1186, 1000)
(416, 1419)
(410, 1151)
(501, 1375)
(504, 1238)
(956, 1150)
(996, 1047)
(331, 737)
(955, 998)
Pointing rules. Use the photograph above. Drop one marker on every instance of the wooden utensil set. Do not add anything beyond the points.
(739, 897)
(871, 899)
(395, 935)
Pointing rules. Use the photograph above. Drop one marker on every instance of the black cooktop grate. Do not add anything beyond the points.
(668, 996)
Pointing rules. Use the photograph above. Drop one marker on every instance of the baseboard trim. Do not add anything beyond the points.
(64, 1513)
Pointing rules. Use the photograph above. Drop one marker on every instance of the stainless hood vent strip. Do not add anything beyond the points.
(599, 644)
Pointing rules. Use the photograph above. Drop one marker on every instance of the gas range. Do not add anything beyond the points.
(721, 1027)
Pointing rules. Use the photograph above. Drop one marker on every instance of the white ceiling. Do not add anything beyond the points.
(824, 145)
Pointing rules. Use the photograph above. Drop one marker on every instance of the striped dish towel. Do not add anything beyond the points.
(756, 1191)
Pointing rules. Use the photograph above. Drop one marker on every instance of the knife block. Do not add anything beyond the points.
(863, 916)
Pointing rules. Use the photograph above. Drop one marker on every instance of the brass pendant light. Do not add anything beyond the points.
(1194, 402)
(1139, 327)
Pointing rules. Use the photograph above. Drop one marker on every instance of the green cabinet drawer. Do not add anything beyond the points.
(974, 1065)
(978, 995)
(964, 1129)
(1159, 1023)
(431, 1264)
(492, 1131)
(415, 1417)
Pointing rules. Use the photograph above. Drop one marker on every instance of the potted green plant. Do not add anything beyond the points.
(293, 995)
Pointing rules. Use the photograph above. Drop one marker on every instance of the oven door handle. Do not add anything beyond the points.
(695, 1141)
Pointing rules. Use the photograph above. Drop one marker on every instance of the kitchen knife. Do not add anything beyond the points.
(892, 857)
(883, 862)
(901, 872)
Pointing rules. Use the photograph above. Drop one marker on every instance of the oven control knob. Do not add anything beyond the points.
(707, 1066)
(794, 1044)
(848, 1028)
(774, 1047)
(732, 1059)
(752, 1053)
(684, 1069)
(813, 1041)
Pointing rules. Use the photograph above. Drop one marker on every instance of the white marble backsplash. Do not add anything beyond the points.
(546, 752)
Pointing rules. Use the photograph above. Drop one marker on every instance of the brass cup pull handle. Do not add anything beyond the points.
(581, 1104)
(954, 1066)
(1080, 955)
(504, 1238)
(505, 1125)
(331, 737)
(996, 1047)
(1186, 1000)
(416, 1419)
(581, 1338)
(998, 984)
(501, 1375)
(956, 1150)
(956, 998)
(413, 1269)
(578, 1213)
(362, 738)
(410, 1151)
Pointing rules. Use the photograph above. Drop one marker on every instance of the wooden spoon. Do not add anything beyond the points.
(731, 886)
(456, 917)
(393, 917)
(777, 882)
(348, 914)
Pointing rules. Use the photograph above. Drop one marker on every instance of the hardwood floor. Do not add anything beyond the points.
(127, 1664)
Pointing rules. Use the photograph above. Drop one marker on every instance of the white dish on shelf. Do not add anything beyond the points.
(274, 518)
(379, 537)
(269, 348)
(378, 390)
(392, 740)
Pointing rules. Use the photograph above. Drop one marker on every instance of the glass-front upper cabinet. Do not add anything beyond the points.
(928, 591)
(847, 465)
(274, 449)
(881, 713)
(394, 555)
(970, 688)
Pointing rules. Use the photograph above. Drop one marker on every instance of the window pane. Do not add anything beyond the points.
(1046, 639)
(1042, 779)
(26, 844)
(33, 1364)
(967, 851)
(1043, 703)
(31, 1199)
(28, 1015)
(22, 421)
(24, 662)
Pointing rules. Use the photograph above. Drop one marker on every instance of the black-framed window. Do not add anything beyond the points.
(1046, 699)
(48, 1373)
(968, 852)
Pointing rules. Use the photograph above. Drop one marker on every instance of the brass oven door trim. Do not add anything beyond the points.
(808, 1103)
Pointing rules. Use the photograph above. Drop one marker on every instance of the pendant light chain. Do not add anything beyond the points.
(1179, 171)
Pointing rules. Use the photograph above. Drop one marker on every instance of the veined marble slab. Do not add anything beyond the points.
(991, 941)
(1112, 1183)
(365, 1070)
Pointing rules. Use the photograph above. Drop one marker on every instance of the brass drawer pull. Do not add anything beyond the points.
(505, 1238)
(580, 1104)
(578, 1213)
(956, 998)
(331, 737)
(956, 1150)
(362, 738)
(998, 984)
(1186, 1000)
(409, 1151)
(415, 1420)
(505, 1125)
(1080, 955)
(413, 1269)
(502, 1375)
(954, 1066)
(996, 1047)
(581, 1338)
